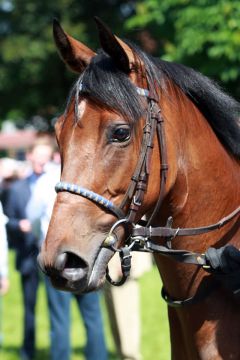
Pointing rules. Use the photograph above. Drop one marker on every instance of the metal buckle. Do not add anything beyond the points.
(137, 203)
(140, 241)
(111, 237)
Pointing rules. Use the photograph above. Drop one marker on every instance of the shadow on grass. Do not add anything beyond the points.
(9, 350)
(80, 351)
(12, 353)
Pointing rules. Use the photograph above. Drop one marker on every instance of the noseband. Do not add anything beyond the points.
(141, 233)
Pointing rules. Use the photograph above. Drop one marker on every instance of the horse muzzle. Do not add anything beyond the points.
(70, 272)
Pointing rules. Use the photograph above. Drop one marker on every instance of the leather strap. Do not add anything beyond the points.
(163, 164)
(195, 299)
(138, 184)
(183, 256)
(168, 232)
(125, 257)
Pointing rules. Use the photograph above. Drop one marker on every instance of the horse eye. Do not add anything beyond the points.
(120, 134)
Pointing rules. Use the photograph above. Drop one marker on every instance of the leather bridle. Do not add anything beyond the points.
(140, 233)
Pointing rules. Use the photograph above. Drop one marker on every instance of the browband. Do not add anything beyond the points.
(142, 92)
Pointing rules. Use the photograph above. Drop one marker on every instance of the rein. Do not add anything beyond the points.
(141, 233)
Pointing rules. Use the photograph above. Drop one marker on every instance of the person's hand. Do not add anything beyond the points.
(4, 285)
(25, 225)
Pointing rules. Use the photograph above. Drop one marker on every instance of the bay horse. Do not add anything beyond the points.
(142, 137)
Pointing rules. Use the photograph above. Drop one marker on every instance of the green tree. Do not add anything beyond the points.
(203, 34)
(32, 78)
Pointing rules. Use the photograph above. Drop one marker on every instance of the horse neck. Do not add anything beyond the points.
(202, 187)
(206, 181)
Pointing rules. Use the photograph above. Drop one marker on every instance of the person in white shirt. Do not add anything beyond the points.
(39, 212)
(4, 282)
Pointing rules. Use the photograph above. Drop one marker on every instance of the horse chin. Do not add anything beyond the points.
(69, 286)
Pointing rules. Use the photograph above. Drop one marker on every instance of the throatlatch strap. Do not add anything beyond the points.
(224, 263)
(195, 299)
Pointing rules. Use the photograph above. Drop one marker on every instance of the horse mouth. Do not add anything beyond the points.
(80, 279)
(69, 279)
(60, 283)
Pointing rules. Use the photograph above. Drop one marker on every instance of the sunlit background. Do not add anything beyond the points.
(34, 84)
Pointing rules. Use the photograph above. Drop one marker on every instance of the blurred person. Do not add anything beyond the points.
(8, 175)
(123, 306)
(4, 282)
(39, 211)
(25, 242)
(11, 170)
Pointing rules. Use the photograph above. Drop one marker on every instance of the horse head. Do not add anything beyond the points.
(99, 137)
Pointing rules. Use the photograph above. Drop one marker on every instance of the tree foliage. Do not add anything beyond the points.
(33, 80)
(204, 34)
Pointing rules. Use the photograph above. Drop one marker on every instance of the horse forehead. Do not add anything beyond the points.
(81, 108)
(88, 111)
(84, 124)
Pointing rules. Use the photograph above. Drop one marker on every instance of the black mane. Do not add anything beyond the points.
(109, 87)
(221, 110)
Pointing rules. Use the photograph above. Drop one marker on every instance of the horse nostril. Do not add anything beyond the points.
(60, 261)
(68, 260)
(66, 267)
(74, 262)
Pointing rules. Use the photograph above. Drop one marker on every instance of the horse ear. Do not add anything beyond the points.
(75, 54)
(120, 52)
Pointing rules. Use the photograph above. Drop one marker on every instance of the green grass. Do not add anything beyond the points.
(155, 332)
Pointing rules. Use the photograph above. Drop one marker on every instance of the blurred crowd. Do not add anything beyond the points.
(26, 200)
